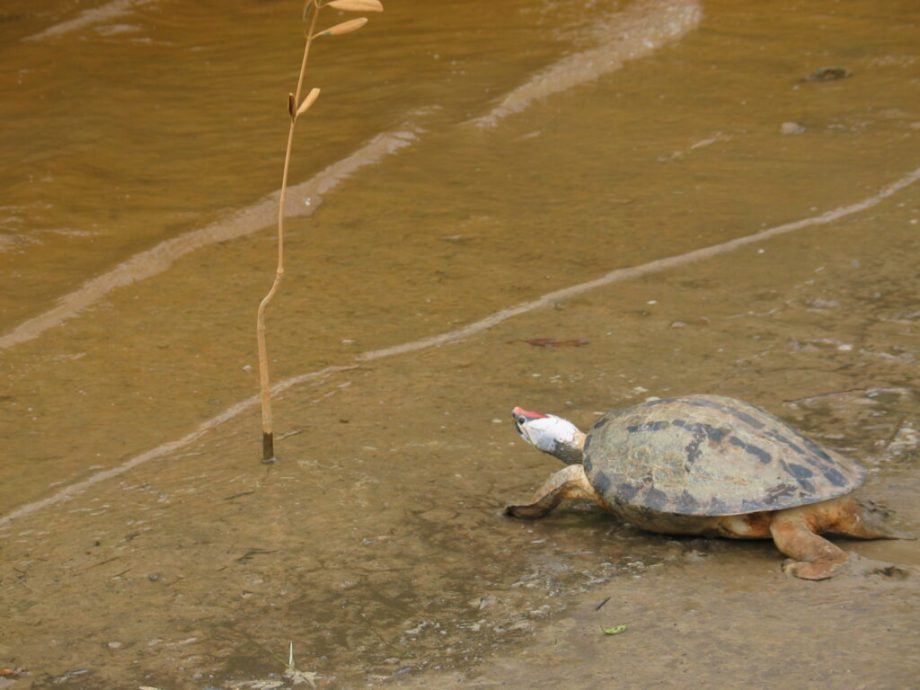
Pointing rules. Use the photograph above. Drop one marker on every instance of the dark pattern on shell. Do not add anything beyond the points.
(649, 426)
(814, 447)
(655, 499)
(798, 471)
(711, 432)
(807, 486)
(693, 448)
(624, 491)
(776, 436)
(834, 476)
(602, 485)
(686, 502)
(757, 452)
(802, 475)
(710, 455)
(733, 410)
(775, 493)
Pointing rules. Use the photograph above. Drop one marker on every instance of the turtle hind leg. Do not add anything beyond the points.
(863, 520)
(568, 483)
(812, 557)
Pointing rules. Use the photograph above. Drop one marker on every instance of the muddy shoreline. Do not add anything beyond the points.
(720, 617)
(391, 553)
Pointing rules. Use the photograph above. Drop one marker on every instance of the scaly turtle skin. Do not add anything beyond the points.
(713, 466)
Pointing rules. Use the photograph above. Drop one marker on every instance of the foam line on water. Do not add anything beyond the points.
(245, 222)
(239, 408)
(614, 276)
(636, 32)
(632, 272)
(94, 15)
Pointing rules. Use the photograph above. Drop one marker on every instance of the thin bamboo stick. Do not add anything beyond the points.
(296, 107)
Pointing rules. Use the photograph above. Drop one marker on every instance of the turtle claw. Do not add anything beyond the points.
(815, 570)
(854, 565)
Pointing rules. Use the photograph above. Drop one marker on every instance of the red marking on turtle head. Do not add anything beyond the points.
(521, 412)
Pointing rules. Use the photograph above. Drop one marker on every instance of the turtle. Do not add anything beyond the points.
(712, 466)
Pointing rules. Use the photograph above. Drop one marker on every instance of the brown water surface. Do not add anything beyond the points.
(463, 158)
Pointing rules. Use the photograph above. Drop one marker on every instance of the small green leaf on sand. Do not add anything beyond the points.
(615, 630)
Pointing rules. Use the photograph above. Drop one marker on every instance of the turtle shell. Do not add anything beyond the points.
(710, 455)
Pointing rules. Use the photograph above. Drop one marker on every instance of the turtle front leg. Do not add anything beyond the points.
(569, 483)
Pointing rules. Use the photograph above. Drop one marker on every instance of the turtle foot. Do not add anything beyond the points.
(854, 565)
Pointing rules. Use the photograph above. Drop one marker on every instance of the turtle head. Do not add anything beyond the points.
(551, 434)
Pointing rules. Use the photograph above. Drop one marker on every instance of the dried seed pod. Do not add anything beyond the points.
(344, 27)
(308, 101)
(356, 5)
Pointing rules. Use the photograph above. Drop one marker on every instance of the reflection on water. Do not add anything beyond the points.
(140, 150)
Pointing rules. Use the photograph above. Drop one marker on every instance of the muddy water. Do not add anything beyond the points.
(448, 178)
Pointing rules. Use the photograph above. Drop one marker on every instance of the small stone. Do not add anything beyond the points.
(154, 577)
(541, 612)
(73, 673)
(820, 303)
(114, 644)
(791, 128)
(829, 74)
(418, 628)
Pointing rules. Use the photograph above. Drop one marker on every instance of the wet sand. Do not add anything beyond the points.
(717, 616)
(390, 557)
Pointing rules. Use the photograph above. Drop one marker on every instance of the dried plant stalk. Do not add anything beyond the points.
(296, 107)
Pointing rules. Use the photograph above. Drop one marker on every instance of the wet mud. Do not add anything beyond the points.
(142, 543)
